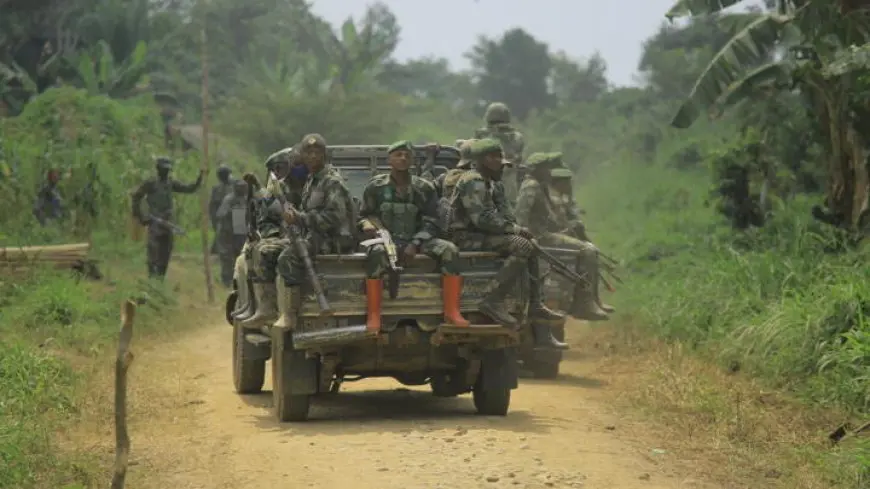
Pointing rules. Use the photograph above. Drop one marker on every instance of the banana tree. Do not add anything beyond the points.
(100, 73)
(823, 29)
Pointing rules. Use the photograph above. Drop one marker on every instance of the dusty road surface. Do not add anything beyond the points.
(190, 430)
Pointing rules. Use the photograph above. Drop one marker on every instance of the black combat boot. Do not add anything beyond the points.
(544, 339)
(504, 281)
(538, 311)
(585, 304)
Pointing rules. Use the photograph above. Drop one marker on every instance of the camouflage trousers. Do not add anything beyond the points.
(442, 251)
(504, 244)
(520, 257)
(589, 254)
(158, 250)
(291, 266)
(265, 258)
(228, 248)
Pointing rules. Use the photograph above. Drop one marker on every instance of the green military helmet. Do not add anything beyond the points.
(224, 170)
(465, 153)
(497, 113)
(561, 173)
(163, 163)
(483, 147)
(400, 145)
(312, 140)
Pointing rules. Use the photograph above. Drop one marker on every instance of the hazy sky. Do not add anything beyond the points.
(448, 28)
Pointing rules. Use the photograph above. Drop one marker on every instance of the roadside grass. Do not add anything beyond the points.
(772, 306)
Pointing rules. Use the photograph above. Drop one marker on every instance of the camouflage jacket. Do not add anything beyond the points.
(218, 192)
(512, 141)
(158, 196)
(534, 210)
(446, 182)
(566, 214)
(267, 209)
(409, 217)
(478, 205)
(327, 211)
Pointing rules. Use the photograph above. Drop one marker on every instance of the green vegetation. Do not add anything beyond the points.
(716, 220)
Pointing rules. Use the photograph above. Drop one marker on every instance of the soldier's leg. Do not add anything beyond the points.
(264, 284)
(585, 304)
(505, 279)
(242, 297)
(291, 269)
(166, 245)
(152, 254)
(377, 264)
(252, 260)
(228, 263)
(447, 256)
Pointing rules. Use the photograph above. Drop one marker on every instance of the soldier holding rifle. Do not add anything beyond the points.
(157, 192)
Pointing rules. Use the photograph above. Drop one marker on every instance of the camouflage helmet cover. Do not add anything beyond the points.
(497, 113)
(312, 141)
(465, 153)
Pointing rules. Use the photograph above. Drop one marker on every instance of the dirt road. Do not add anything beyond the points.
(190, 430)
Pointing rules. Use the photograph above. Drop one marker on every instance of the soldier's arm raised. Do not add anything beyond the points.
(187, 188)
(481, 211)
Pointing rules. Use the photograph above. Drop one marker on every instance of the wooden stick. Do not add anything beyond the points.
(122, 363)
(206, 254)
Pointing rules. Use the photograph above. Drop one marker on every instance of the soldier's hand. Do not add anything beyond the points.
(410, 252)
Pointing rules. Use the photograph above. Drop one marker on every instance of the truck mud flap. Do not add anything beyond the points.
(257, 346)
(332, 337)
(498, 369)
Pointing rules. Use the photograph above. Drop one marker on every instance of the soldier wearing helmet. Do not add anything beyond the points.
(157, 192)
(223, 188)
(498, 126)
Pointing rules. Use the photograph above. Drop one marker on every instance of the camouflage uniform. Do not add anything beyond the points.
(232, 229)
(410, 215)
(534, 210)
(158, 194)
(498, 127)
(566, 214)
(218, 192)
(446, 182)
(481, 220)
(48, 203)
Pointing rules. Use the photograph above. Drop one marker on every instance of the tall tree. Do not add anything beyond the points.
(574, 81)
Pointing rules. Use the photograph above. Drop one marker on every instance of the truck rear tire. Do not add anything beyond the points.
(248, 375)
(287, 405)
(492, 402)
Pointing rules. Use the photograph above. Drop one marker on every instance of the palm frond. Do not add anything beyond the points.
(686, 8)
(769, 75)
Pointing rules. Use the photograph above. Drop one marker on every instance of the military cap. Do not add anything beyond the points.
(312, 141)
(465, 154)
(557, 158)
(561, 173)
(284, 155)
(483, 147)
(400, 145)
(164, 162)
(540, 159)
(224, 169)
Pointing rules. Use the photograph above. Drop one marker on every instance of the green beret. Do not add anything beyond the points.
(537, 159)
(483, 147)
(400, 145)
(556, 158)
(561, 173)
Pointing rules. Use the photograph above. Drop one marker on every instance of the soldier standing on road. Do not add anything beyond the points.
(534, 209)
(48, 204)
(566, 214)
(223, 188)
(232, 229)
(157, 192)
(406, 205)
(481, 220)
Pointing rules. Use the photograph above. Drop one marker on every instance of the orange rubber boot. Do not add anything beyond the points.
(451, 291)
(374, 295)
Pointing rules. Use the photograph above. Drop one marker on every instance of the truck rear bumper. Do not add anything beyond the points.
(444, 334)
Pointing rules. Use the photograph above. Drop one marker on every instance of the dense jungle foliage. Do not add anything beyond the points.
(733, 183)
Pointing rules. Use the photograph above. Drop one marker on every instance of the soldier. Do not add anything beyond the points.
(325, 215)
(445, 182)
(406, 205)
(534, 209)
(223, 188)
(567, 215)
(498, 126)
(48, 203)
(232, 229)
(158, 194)
(481, 220)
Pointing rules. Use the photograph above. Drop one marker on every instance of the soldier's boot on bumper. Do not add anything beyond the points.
(544, 339)
(250, 306)
(289, 299)
(492, 304)
(374, 297)
(538, 311)
(585, 304)
(267, 308)
(245, 302)
(451, 291)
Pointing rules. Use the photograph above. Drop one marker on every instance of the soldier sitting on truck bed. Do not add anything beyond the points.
(269, 216)
(481, 220)
(325, 216)
(406, 205)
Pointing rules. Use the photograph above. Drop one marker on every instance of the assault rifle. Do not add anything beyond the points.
(175, 228)
(384, 238)
(295, 235)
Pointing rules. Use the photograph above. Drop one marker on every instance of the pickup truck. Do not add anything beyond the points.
(315, 355)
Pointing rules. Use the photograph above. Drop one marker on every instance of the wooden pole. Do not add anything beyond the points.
(206, 255)
(122, 364)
